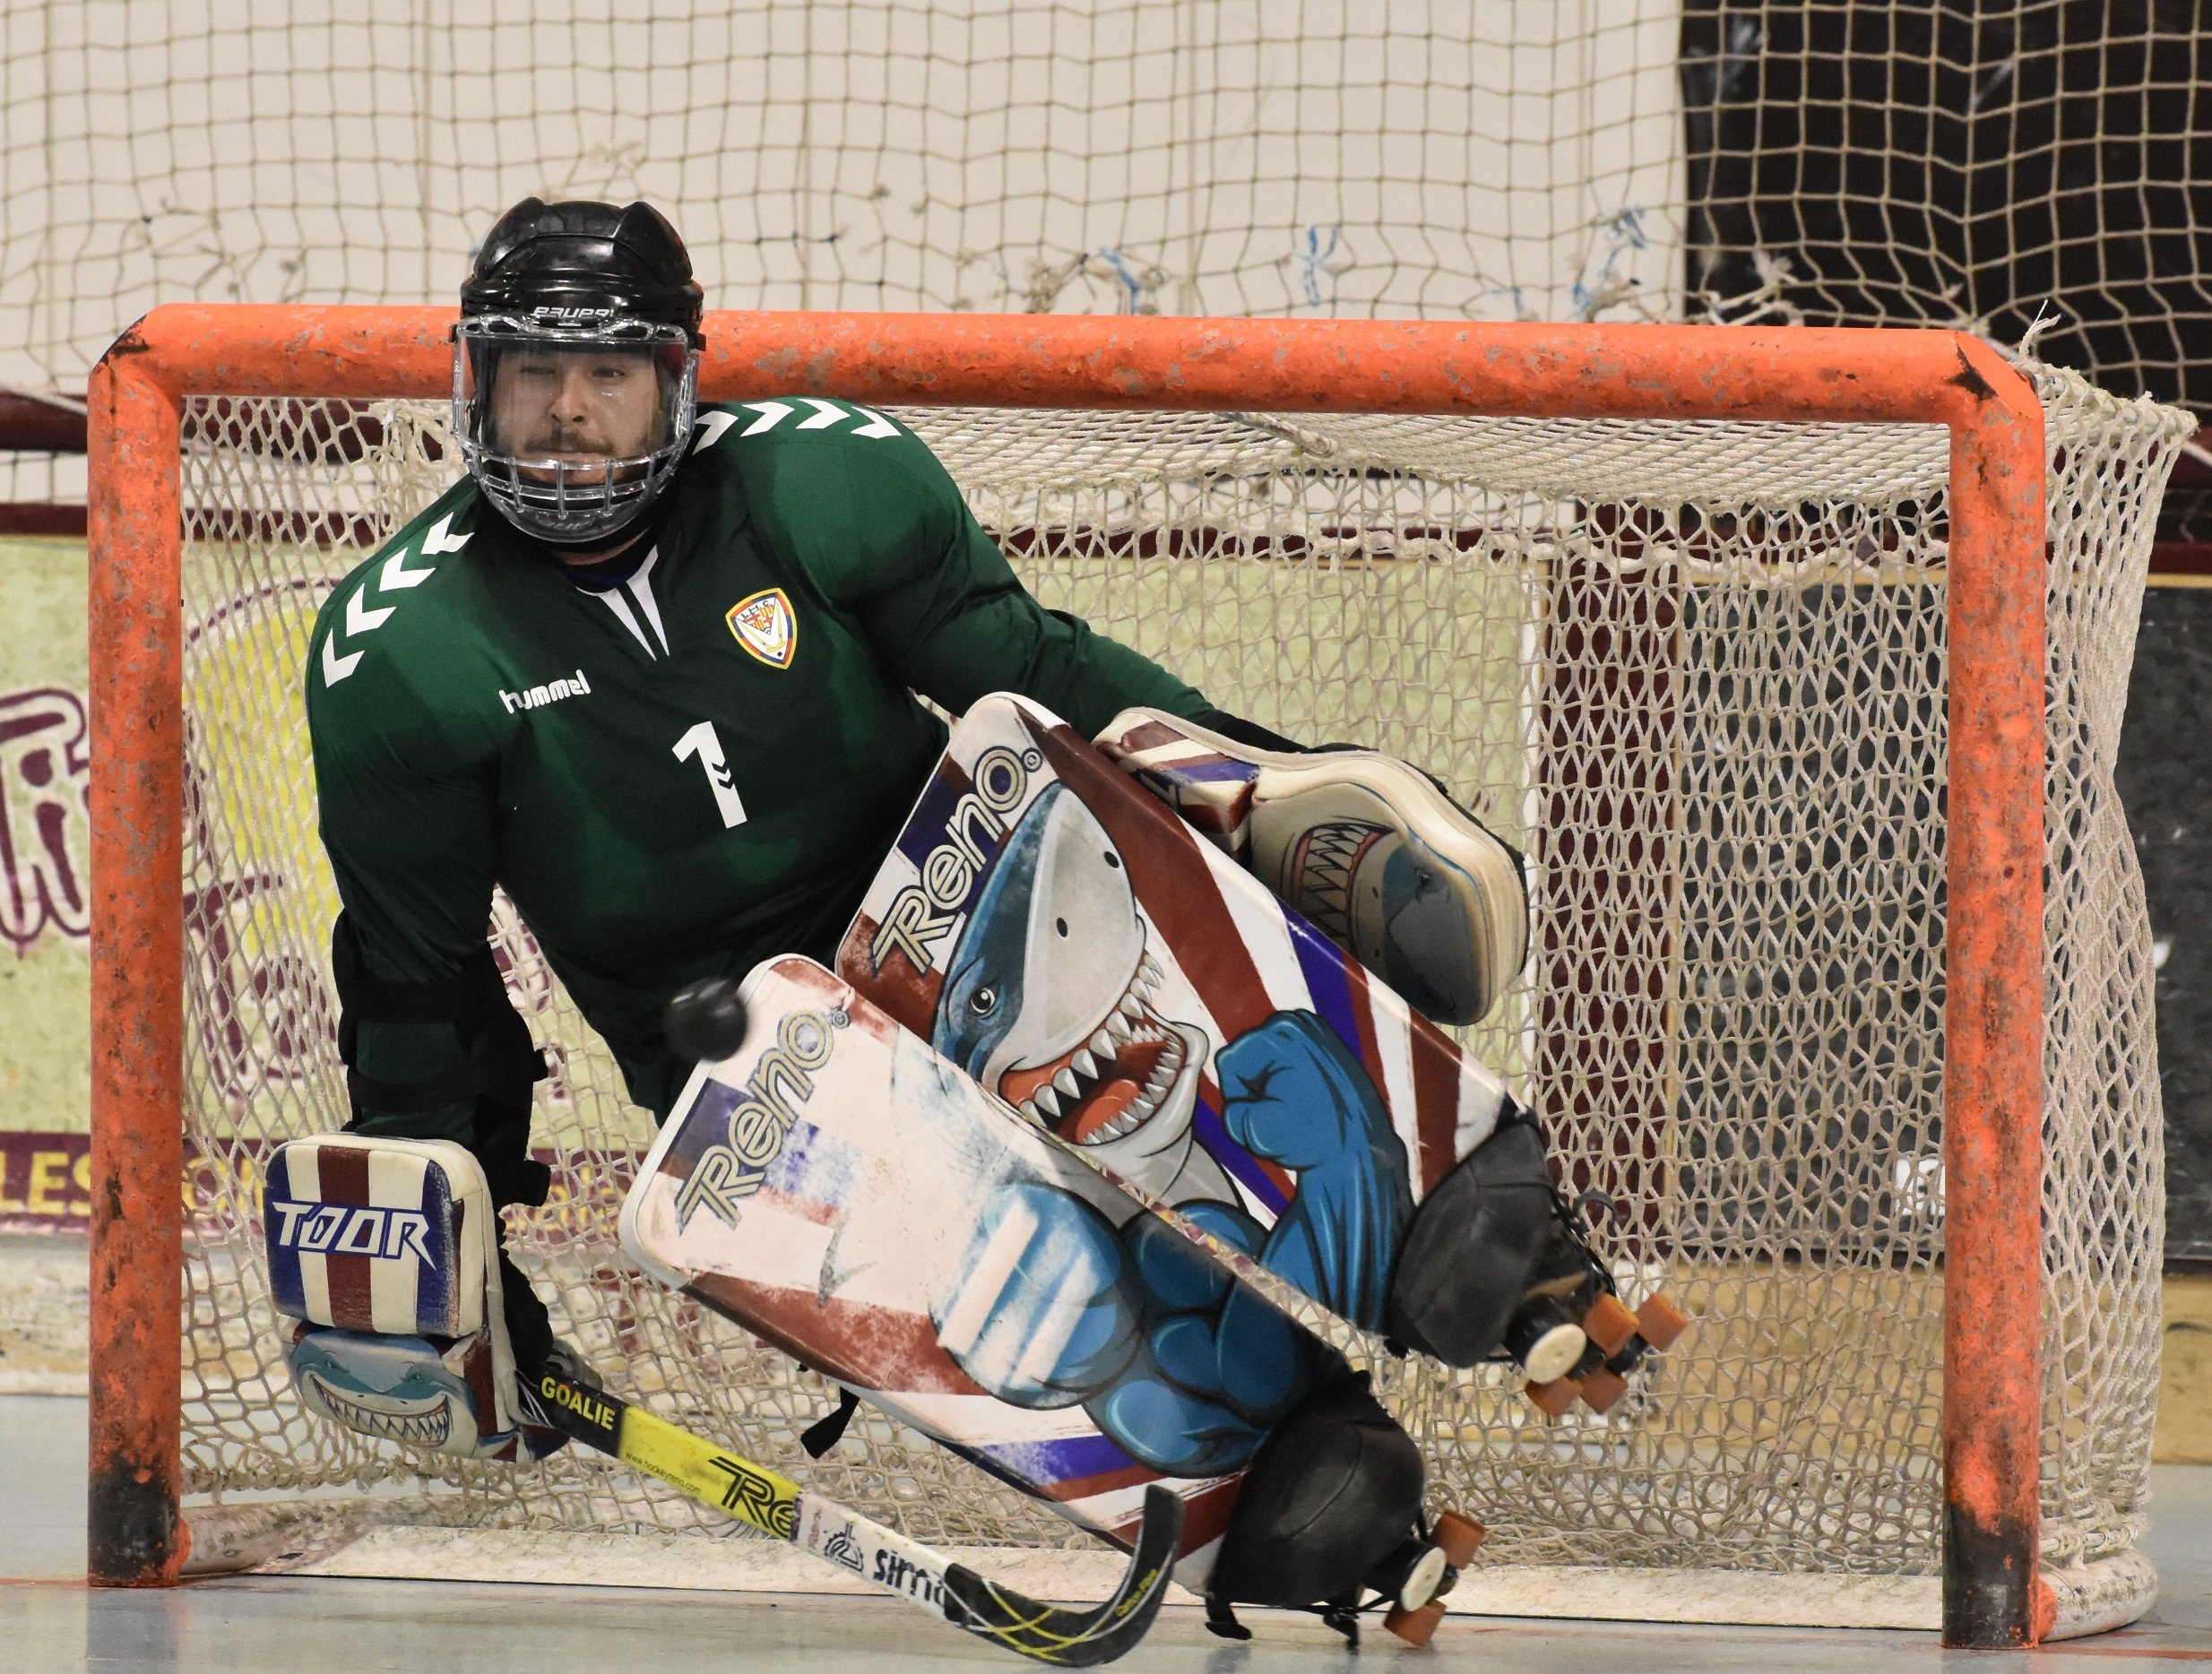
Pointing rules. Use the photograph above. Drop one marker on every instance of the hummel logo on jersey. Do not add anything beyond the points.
(552, 692)
(766, 627)
(335, 1229)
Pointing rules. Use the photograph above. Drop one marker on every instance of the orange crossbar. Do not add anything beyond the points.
(1993, 1014)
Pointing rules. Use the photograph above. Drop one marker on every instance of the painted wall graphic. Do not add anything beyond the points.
(46, 1182)
(45, 773)
(45, 882)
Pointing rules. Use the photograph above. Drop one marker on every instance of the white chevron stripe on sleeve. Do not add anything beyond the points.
(360, 620)
(439, 540)
(878, 426)
(825, 413)
(334, 667)
(711, 429)
(772, 414)
(396, 573)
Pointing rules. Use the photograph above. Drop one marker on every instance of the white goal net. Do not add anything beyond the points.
(1697, 671)
(1494, 159)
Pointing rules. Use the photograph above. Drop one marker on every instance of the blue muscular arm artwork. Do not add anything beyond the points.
(1293, 1094)
(1185, 1369)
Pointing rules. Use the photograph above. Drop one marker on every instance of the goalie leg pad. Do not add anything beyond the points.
(1333, 1492)
(386, 1251)
(1373, 851)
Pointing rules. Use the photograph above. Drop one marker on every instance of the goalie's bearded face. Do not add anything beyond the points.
(579, 406)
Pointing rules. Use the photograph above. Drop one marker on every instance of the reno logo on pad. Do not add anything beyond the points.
(766, 627)
(757, 1117)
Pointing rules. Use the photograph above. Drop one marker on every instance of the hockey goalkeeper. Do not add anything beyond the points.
(654, 669)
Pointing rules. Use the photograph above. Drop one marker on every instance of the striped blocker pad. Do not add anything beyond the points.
(385, 1252)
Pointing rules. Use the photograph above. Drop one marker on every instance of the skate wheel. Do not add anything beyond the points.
(1602, 1387)
(1457, 1537)
(1425, 1580)
(1416, 1627)
(1609, 1325)
(1661, 1322)
(1554, 1354)
(1557, 1397)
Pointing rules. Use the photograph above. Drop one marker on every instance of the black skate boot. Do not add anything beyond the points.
(1497, 1266)
(1329, 1514)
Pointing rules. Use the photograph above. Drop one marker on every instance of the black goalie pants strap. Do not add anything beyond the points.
(826, 1431)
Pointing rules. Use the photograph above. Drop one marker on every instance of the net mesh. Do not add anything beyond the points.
(1697, 670)
(1917, 163)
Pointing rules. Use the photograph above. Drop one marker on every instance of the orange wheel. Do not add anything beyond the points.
(1661, 1322)
(1609, 1325)
(1557, 1397)
(1457, 1537)
(1602, 1387)
(1416, 1627)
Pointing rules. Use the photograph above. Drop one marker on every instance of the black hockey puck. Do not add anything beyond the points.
(705, 1022)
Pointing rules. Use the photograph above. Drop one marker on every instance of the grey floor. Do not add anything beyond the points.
(49, 1621)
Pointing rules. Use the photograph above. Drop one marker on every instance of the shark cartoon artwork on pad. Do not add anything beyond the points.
(1064, 936)
(1083, 1047)
(1065, 939)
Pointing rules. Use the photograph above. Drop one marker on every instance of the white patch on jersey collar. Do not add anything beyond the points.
(639, 587)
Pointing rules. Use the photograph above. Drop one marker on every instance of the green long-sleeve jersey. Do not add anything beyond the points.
(690, 771)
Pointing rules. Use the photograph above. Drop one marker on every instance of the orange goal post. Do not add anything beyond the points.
(1837, 1013)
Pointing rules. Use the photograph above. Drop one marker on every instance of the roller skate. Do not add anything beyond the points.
(1335, 1492)
(1498, 1266)
(1416, 1578)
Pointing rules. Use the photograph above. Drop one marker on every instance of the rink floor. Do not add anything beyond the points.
(49, 1621)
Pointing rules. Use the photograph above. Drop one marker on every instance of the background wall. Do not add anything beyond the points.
(45, 1057)
(2165, 775)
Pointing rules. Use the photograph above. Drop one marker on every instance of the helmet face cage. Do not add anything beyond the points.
(570, 501)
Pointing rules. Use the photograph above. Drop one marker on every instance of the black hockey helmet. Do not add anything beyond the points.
(575, 366)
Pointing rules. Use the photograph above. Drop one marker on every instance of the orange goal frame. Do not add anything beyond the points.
(1992, 1090)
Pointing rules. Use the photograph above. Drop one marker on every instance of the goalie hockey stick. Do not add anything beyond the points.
(778, 1506)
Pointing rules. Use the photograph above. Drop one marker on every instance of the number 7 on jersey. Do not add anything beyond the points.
(701, 742)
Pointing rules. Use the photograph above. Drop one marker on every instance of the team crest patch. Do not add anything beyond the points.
(766, 627)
